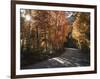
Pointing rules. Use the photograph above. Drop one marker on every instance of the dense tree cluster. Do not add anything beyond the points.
(81, 30)
(46, 30)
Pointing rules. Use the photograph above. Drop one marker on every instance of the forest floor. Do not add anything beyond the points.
(70, 58)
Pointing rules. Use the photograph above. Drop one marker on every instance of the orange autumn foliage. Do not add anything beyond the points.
(46, 29)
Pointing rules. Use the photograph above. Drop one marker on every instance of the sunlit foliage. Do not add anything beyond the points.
(81, 30)
(41, 29)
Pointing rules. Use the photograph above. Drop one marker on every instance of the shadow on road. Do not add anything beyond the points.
(69, 57)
